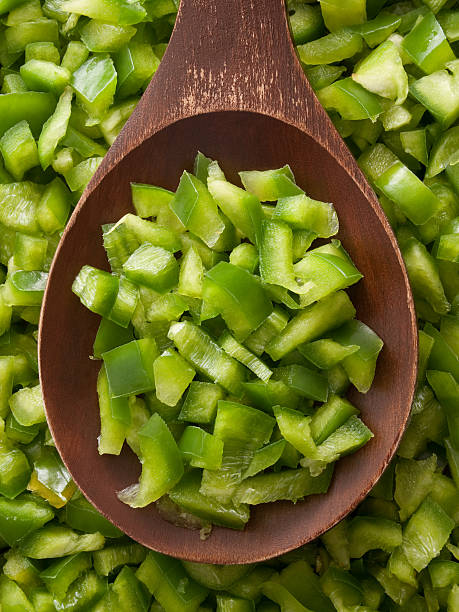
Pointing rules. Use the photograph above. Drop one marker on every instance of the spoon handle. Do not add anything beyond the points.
(230, 55)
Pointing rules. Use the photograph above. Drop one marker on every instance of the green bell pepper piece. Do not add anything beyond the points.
(8, 5)
(414, 142)
(20, 433)
(350, 100)
(54, 207)
(427, 46)
(46, 51)
(360, 365)
(21, 516)
(112, 557)
(19, 150)
(55, 129)
(443, 573)
(323, 75)
(60, 574)
(25, 288)
(424, 276)
(271, 327)
(270, 185)
(264, 458)
(153, 267)
(188, 496)
(27, 406)
(100, 37)
(336, 18)
(243, 430)
(81, 515)
(312, 322)
(331, 48)
(172, 376)
(13, 597)
(206, 356)
(239, 352)
(123, 238)
(50, 478)
(444, 108)
(399, 184)
(300, 580)
(166, 579)
(295, 427)
(196, 209)
(201, 449)
(129, 367)
(304, 213)
(109, 336)
(75, 55)
(41, 75)
(162, 465)
(303, 381)
(413, 482)
(446, 389)
(112, 428)
(18, 36)
(444, 152)
(115, 118)
(329, 417)
(58, 541)
(449, 21)
(326, 353)
(96, 289)
(200, 405)
(229, 603)
(448, 247)
(323, 274)
(238, 296)
(382, 73)
(306, 22)
(276, 256)
(242, 208)
(135, 65)
(442, 356)
(370, 532)
(30, 252)
(377, 30)
(245, 255)
(291, 485)
(342, 588)
(426, 533)
(272, 393)
(123, 12)
(95, 84)
(148, 200)
(85, 592)
(452, 455)
(131, 593)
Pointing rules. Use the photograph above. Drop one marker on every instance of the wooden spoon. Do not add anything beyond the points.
(230, 85)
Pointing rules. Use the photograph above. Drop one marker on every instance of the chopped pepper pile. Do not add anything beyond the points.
(251, 334)
(386, 71)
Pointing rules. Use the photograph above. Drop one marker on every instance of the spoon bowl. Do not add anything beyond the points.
(249, 111)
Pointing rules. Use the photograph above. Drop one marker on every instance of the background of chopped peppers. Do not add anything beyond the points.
(398, 114)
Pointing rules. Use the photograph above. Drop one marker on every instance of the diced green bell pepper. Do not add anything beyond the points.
(130, 367)
(172, 376)
(162, 465)
(312, 322)
(427, 46)
(55, 129)
(201, 449)
(95, 84)
(239, 297)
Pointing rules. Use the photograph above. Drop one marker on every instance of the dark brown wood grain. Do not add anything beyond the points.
(231, 86)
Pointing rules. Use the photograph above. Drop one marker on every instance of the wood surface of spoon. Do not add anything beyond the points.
(231, 86)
